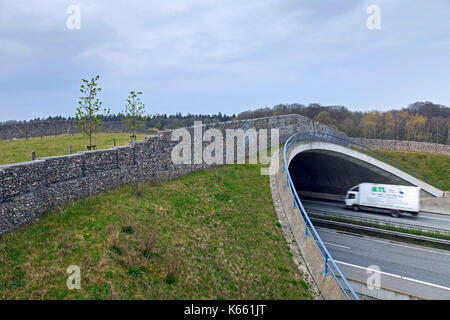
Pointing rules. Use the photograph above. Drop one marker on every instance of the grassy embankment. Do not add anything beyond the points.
(12, 151)
(435, 166)
(212, 234)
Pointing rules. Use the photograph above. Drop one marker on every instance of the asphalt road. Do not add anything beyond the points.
(418, 270)
(424, 219)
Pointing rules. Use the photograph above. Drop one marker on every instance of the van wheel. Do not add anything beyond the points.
(395, 213)
(355, 208)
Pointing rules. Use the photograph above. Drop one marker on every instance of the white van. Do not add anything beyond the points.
(385, 198)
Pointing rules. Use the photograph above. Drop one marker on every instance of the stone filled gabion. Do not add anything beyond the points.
(28, 190)
(19, 130)
(404, 145)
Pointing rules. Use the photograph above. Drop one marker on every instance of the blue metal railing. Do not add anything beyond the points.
(310, 231)
(326, 137)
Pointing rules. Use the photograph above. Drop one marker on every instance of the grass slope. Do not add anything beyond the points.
(20, 150)
(209, 235)
(435, 166)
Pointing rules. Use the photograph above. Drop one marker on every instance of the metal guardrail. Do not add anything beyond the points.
(330, 265)
(379, 222)
(398, 234)
(326, 137)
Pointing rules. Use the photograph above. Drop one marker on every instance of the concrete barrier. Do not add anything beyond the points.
(328, 286)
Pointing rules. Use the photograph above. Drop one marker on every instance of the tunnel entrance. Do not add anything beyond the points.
(329, 175)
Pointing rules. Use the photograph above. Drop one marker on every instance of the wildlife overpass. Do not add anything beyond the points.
(322, 165)
(325, 168)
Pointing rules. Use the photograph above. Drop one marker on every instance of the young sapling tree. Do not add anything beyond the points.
(134, 113)
(88, 111)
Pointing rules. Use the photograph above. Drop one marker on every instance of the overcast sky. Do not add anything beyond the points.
(205, 56)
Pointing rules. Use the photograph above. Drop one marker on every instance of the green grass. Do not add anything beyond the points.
(212, 234)
(12, 151)
(435, 166)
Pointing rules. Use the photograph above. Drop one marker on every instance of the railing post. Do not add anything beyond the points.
(326, 273)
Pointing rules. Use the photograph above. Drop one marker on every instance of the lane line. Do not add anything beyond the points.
(337, 245)
(394, 275)
(425, 217)
(387, 242)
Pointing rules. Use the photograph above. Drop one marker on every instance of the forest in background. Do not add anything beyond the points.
(420, 121)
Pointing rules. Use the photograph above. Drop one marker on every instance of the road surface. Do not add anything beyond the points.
(418, 270)
(424, 219)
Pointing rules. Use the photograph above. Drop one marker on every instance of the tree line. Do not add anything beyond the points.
(420, 121)
(158, 121)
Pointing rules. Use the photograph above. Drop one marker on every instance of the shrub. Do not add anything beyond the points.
(128, 229)
(148, 243)
(133, 271)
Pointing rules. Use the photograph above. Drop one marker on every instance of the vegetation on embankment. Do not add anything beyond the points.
(213, 234)
(435, 166)
(12, 151)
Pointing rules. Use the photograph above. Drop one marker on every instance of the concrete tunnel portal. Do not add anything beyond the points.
(328, 171)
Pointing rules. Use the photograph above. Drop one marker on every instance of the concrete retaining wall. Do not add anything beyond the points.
(27, 190)
(381, 293)
(327, 285)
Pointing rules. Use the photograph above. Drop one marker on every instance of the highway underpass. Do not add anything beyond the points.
(322, 173)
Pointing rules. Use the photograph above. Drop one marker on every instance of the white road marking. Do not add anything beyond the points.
(388, 242)
(394, 275)
(337, 245)
(426, 217)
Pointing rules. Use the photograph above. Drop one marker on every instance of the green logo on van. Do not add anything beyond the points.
(378, 189)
